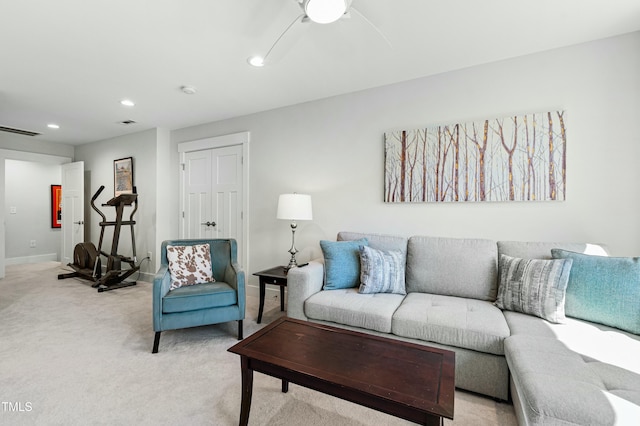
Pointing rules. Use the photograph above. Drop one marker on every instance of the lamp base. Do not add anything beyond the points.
(293, 250)
(292, 263)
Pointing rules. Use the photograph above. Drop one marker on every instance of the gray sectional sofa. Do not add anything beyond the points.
(570, 373)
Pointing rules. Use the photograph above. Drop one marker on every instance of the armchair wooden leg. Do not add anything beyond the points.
(156, 342)
(240, 330)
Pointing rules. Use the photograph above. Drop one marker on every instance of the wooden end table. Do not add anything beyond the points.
(407, 380)
(274, 276)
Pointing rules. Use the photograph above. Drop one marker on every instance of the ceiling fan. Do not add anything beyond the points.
(320, 12)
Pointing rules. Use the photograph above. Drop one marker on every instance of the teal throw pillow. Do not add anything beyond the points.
(341, 263)
(381, 271)
(603, 289)
(533, 286)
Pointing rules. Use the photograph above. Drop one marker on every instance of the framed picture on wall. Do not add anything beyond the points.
(123, 176)
(56, 206)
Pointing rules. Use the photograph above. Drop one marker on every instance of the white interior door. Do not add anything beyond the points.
(226, 188)
(72, 208)
(213, 194)
(197, 193)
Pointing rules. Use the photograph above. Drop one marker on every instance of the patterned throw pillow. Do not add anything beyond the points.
(381, 271)
(341, 263)
(533, 286)
(189, 265)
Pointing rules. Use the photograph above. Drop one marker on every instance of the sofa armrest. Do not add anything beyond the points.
(302, 283)
(161, 285)
(234, 276)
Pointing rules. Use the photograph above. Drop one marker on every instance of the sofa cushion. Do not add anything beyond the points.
(342, 263)
(453, 267)
(533, 286)
(381, 271)
(348, 307)
(605, 290)
(460, 322)
(542, 250)
(377, 241)
(592, 340)
(189, 265)
(201, 296)
(559, 385)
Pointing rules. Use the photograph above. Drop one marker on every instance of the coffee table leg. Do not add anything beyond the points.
(247, 389)
(285, 386)
(262, 291)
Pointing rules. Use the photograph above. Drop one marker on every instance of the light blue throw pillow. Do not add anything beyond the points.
(341, 263)
(603, 289)
(381, 271)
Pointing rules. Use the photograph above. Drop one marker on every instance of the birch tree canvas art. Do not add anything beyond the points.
(517, 158)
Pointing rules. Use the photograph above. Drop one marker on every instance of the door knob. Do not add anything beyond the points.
(80, 222)
(209, 223)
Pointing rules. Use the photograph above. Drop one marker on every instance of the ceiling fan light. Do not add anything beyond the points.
(256, 61)
(325, 11)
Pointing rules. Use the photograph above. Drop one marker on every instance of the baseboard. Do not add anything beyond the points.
(31, 259)
(145, 276)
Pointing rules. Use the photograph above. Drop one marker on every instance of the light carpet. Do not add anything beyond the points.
(72, 356)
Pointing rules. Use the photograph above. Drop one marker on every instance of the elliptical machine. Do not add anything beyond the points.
(86, 258)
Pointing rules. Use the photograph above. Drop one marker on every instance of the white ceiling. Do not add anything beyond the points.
(71, 61)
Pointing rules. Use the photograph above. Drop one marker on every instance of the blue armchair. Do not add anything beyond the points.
(200, 304)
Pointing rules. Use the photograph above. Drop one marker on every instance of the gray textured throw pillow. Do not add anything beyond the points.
(533, 286)
(381, 271)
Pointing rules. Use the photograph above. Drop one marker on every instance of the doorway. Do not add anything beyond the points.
(44, 205)
(214, 189)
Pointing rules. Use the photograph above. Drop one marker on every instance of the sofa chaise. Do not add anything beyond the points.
(557, 369)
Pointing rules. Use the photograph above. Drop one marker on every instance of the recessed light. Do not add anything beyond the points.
(256, 61)
(188, 90)
(53, 126)
(127, 102)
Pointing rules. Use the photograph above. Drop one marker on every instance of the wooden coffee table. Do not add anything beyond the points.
(406, 380)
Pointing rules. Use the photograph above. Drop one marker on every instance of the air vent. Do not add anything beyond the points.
(127, 122)
(18, 131)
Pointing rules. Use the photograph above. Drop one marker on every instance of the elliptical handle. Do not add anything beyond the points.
(93, 205)
(97, 194)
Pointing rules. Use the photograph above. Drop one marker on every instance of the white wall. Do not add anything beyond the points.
(333, 150)
(166, 189)
(28, 211)
(14, 142)
(98, 162)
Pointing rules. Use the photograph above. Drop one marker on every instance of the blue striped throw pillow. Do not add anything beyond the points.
(533, 286)
(381, 271)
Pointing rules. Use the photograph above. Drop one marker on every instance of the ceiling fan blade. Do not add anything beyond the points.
(287, 39)
(370, 24)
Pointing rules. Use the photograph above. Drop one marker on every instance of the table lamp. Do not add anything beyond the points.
(294, 207)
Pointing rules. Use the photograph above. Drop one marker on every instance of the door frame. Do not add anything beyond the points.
(214, 142)
(7, 154)
(68, 219)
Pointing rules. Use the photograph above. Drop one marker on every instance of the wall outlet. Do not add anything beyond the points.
(13, 210)
(149, 256)
(32, 243)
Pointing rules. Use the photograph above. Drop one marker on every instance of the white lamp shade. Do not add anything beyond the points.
(325, 11)
(294, 207)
